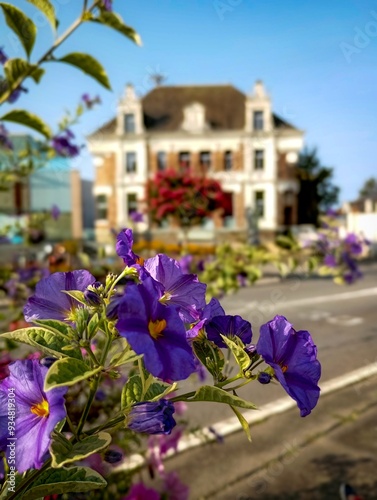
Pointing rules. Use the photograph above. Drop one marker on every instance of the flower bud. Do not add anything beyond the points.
(264, 378)
(113, 456)
(47, 361)
(152, 417)
(92, 298)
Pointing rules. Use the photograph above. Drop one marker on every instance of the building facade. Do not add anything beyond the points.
(217, 131)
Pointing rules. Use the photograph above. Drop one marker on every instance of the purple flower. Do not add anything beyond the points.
(156, 331)
(16, 94)
(330, 260)
(36, 413)
(182, 290)
(354, 244)
(113, 456)
(3, 56)
(55, 212)
(229, 326)
(5, 142)
(212, 309)
(63, 144)
(152, 417)
(108, 5)
(136, 216)
(140, 492)
(293, 356)
(123, 248)
(352, 272)
(49, 302)
(174, 488)
(185, 263)
(330, 212)
(90, 102)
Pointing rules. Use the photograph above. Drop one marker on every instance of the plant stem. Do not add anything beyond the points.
(32, 477)
(94, 385)
(47, 54)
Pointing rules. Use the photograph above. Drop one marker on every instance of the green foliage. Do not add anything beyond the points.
(63, 452)
(217, 395)
(67, 372)
(238, 351)
(22, 26)
(115, 21)
(244, 424)
(369, 188)
(124, 357)
(317, 191)
(211, 357)
(16, 69)
(159, 390)
(47, 8)
(49, 342)
(30, 120)
(89, 65)
(59, 481)
(132, 392)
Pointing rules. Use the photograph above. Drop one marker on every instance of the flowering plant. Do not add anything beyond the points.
(338, 254)
(148, 328)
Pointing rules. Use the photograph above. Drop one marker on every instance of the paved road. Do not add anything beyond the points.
(341, 319)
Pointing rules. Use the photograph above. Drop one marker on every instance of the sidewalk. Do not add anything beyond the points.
(292, 458)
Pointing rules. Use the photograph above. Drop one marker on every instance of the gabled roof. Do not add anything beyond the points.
(224, 107)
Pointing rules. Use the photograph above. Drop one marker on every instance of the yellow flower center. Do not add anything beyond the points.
(41, 409)
(165, 298)
(284, 368)
(140, 261)
(156, 328)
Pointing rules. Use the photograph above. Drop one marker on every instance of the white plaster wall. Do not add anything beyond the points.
(363, 224)
(269, 221)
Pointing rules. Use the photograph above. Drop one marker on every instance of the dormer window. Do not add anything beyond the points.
(129, 123)
(258, 120)
(194, 118)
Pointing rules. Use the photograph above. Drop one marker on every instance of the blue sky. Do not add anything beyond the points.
(317, 60)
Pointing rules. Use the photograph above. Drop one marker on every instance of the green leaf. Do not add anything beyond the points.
(29, 120)
(67, 372)
(211, 356)
(19, 68)
(239, 353)
(217, 395)
(244, 423)
(22, 25)
(59, 481)
(76, 294)
(53, 325)
(47, 8)
(157, 391)
(63, 452)
(89, 65)
(124, 357)
(132, 392)
(114, 21)
(50, 343)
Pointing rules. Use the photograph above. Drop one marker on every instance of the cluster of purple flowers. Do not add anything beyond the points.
(90, 101)
(63, 144)
(163, 314)
(340, 255)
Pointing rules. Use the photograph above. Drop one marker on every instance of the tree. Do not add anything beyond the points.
(183, 197)
(369, 189)
(317, 191)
